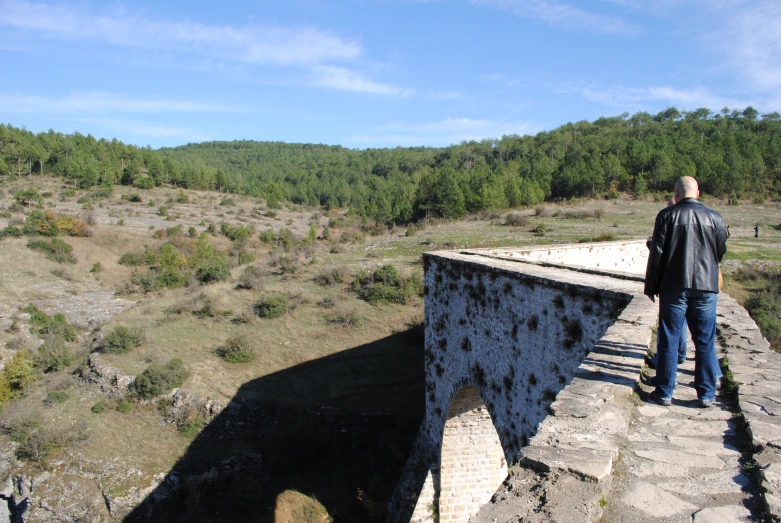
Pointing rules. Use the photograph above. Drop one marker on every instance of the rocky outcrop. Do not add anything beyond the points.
(108, 377)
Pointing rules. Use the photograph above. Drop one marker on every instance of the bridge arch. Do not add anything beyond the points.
(473, 463)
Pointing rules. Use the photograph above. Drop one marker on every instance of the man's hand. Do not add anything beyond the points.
(651, 297)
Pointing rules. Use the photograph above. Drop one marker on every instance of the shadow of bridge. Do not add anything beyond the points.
(338, 428)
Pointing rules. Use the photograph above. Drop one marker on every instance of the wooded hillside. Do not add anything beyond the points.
(732, 153)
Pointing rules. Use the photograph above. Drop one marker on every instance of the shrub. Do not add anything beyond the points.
(158, 379)
(287, 265)
(96, 268)
(16, 375)
(11, 232)
(57, 397)
(191, 428)
(228, 202)
(236, 232)
(516, 220)
(213, 270)
(181, 197)
(171, 278)
(35, 442)
(98, 407)
(124, 406)
(191, 232)
(237, 350)
(251, 279)
(271, 307)
(52, 356)
(326, 303)
(331, 277)
(174, 232)
(15, 207)
(134, 198)
(122, 339)
(345, 319)
(43, 324)
(268, 236)
(132, 259)
(162, 210)
(387, 275)
(540, 230)
(146, 280)
(245, 258)
(55, 250)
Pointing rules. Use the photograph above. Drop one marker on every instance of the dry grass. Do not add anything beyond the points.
(307, 334)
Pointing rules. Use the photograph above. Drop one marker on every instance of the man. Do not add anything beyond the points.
(688, 242)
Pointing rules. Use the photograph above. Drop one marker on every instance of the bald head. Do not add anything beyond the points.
(686, 187)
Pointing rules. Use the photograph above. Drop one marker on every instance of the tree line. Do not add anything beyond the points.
(734, 153)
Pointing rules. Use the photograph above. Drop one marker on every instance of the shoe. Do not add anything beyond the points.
(681, 362)
(661, 400)
(706, 404)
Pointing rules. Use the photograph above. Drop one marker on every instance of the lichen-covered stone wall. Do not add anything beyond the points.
(518, 339)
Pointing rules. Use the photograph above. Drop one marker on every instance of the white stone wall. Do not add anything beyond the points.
(620, 257)
(517, 339)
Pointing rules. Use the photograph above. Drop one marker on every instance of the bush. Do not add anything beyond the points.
(213, 270)
(132, 259)
(237, 350)
(11, 232)
(96, 268)
(251, 279)
(98, 407)
(287, 265)
(16, 375)
(191, 232)
(345, 319)
(387, 275)
(540, 230)
(15, 207)
(123, 339)
(52, 356)
(191, 428)
(245, 258)
(181, 197)
(236, 232)
(171, 279)
(162, 210)
(174, 232)
(158, 379)
(57, 397)
(516, 220)
(134, 198)
(124, 407)
(55, 250)
(271, 307)
(331, 277)
(43, 324)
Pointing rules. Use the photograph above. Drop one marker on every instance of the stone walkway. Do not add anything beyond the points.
(683, 463)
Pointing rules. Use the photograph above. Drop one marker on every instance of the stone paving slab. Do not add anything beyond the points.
(685, 462)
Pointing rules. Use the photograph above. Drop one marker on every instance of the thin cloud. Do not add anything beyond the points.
(440, 133)
(558, 13)
(754, 45)
(343, 79)
(146, 130)
(635, 98)
(255, 44)
(103, 102)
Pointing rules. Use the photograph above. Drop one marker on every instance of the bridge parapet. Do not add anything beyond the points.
(546, 350)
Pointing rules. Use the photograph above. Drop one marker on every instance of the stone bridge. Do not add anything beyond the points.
(532, 358)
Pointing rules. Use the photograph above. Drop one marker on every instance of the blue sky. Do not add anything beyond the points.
(366, 73)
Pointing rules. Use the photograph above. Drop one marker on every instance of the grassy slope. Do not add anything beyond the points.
(295, 364)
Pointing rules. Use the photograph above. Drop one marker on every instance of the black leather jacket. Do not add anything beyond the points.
(688, 243)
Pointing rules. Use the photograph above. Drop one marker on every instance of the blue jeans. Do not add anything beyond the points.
(698, 309)
(681, 348)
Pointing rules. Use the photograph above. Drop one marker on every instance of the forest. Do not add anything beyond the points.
(733, 153)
